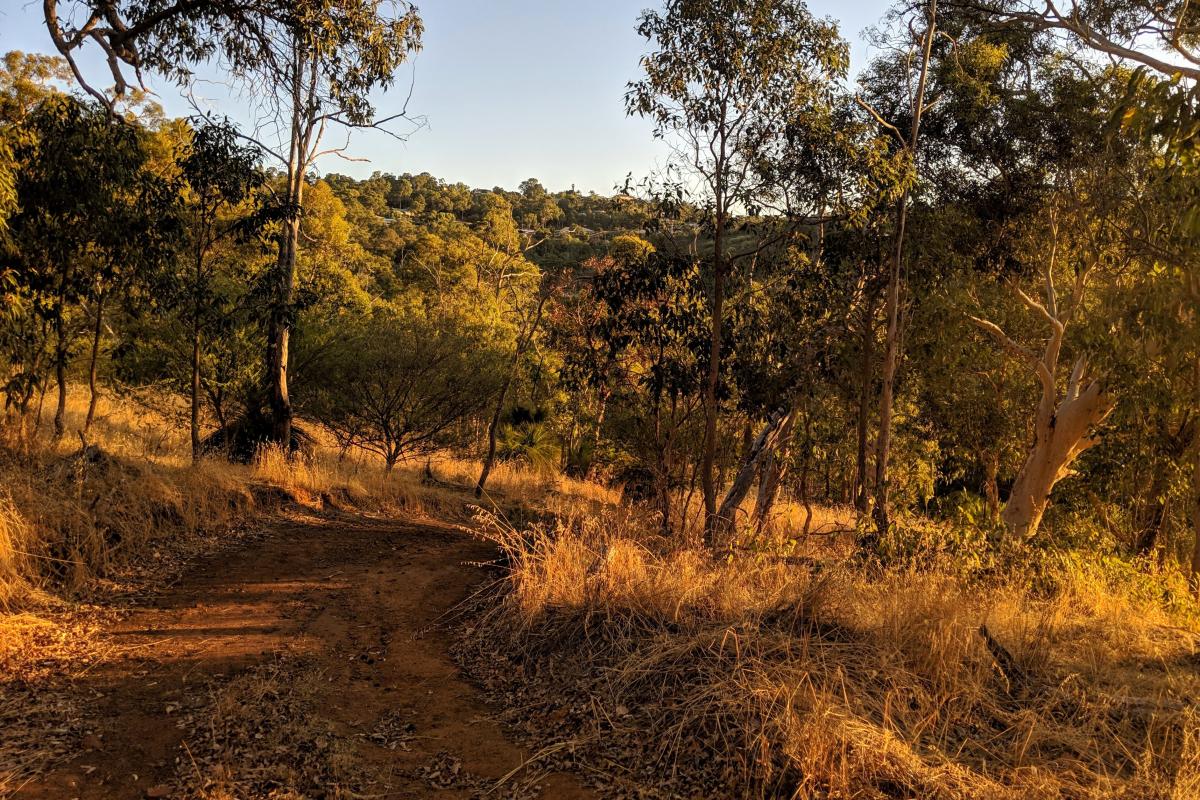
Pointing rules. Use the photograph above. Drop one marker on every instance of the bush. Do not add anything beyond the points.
(399, 384)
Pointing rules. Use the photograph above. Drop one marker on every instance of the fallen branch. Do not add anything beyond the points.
(1013, 675)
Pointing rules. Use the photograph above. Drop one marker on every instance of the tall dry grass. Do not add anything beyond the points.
(754, 677)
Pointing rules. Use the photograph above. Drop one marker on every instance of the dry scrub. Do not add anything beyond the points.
(70, 515)
(767, 677)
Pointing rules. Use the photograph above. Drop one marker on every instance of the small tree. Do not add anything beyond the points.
(650, 336)
(221, 175)
(397, 384)
(89, 212)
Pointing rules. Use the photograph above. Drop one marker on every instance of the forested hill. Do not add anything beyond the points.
(429, 221)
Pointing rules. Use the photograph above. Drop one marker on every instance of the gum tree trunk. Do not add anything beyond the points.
(280, 330)
(1063, 426)
(95, 357)
(891, 346)
(765, 443)
(862, 498)
(772, 472)
(1061, 436)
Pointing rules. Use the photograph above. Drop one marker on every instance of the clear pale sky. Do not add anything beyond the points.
(510, 89)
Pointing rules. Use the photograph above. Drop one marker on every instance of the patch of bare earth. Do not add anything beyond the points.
(307, 663)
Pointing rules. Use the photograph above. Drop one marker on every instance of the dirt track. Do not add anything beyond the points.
(354, 602)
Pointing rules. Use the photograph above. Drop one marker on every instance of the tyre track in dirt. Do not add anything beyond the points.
(355, 599)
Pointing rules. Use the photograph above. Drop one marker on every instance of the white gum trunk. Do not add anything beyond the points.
(1065, 423)
(1056, 446)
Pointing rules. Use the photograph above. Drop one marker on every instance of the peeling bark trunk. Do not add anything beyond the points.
(1058, 441)
(1062, 428)
(596, 430)
(307, 126)
(772, 472)
(764, 443)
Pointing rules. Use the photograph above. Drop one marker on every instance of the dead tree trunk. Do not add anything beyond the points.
(92, 364)
(1063, 427)
(773, 468)
(766, 441)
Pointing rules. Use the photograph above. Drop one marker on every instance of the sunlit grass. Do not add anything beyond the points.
(851, 679)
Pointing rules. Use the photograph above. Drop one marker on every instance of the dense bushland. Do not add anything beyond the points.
(864, 370)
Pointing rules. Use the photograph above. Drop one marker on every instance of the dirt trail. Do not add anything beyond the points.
(352, 600)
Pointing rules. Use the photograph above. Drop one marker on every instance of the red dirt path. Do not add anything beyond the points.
(357, 600)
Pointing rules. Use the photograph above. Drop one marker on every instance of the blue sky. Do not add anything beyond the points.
(510, 89)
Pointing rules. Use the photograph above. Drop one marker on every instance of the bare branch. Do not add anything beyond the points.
(882, 122)
(994, 330)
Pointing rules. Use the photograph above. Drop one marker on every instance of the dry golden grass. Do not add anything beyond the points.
(855, 681)
(65, 519)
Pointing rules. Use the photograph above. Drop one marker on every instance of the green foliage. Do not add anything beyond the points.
(400, 383)
(530, 442)
(91, 216)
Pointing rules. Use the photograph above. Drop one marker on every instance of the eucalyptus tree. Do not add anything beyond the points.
(168, 37)
(1067, 413)
(645, 346)
(721, 86)
(89, 212)
(909, 141)
(325, 58)
(222, 176)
